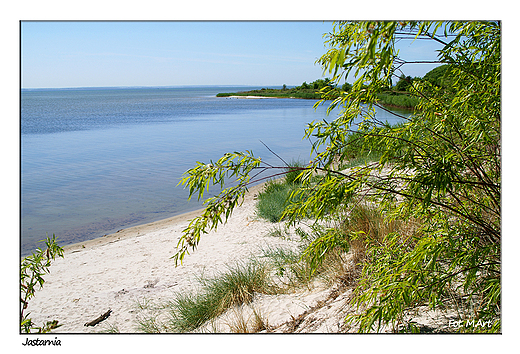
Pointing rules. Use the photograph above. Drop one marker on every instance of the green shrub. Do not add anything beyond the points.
(32, 269)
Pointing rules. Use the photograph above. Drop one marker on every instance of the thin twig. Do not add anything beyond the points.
(274, 153)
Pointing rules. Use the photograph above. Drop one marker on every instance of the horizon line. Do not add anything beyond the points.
(143, 86)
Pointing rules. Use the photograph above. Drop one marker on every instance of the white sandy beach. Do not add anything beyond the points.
(249, 97)
(133, 266)
(132, 274)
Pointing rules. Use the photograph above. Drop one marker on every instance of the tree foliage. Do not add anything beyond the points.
(404, 83)
(441, 166)
(32, 269)
(438, 76)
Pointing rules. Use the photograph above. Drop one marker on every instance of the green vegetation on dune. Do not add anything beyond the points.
(233, 287)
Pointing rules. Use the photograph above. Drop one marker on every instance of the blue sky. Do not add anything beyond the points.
(93, 54)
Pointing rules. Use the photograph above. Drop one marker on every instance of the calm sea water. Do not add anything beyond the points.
(94, 161)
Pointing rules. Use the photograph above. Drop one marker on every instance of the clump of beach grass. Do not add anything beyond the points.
(217, 294)
(276, 195)
(287, 267)
(247, 320)
(273, 200)
(149, 316)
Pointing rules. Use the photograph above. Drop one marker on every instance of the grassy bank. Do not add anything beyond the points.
(304, 91)
(272, 271)
(392, 99)
(275, 93)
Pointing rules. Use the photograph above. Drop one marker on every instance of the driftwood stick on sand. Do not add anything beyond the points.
(99, 319)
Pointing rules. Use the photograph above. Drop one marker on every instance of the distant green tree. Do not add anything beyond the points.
(346, 87)
(438, 76)
(404, 83)
(321, 84)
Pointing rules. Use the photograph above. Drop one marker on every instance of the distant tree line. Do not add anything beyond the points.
(398, 95)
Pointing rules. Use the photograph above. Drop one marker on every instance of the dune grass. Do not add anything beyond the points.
(234, 287)
(273, 200)
(275, 197)
(274, 270)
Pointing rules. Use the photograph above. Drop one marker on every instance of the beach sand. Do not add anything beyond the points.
(132, 274)
(249, 97)
(132, 267)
